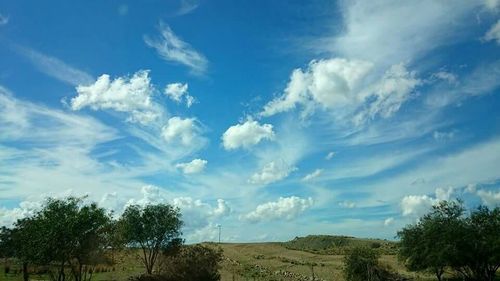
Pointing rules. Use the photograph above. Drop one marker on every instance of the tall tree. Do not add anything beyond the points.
(431, 244)
(479, 258)
(153, 228)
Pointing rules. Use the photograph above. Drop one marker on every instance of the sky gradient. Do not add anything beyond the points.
(274, 119)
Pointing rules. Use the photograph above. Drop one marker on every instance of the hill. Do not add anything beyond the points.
(338, 245)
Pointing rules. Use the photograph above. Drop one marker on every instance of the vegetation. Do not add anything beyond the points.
(338, 245)
(447, 239)
(362, 264)
(73, 240)
(153, 228)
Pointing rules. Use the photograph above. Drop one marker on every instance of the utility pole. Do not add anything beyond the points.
(219, 226)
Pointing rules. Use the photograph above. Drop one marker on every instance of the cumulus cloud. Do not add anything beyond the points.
(178, 91)
(173, 49)
(286, 208)
(193, 167)
(246, 135)
(417, 205)
(489, 198)
(183, 131)
(272, 172)
(26, 208)
(337, 85)
(493, 33)
(326, 82)
(312, 175)
(198, 214)
(132, 95)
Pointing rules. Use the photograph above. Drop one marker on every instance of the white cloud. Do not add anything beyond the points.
(418, 205)
(183, 131)
(286, 208)
(176, 91)
(390, 31)
(337, 85)
(489, 198)
(493, 33)
(198, 214)
(4, 19)
(389, 93)
(272, 172)
(329, 83)
(347, 204)
(492, 4)
(312, 175)
(330, 155)
(388, 221)
(55, 67)
(443, 136)
(172, 48)
(193, 167)
(132, 95)
(187, 6)
(26, 208)
(246, 135)
(446, 76)
(222, 208)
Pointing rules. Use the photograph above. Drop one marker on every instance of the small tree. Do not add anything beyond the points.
(153, 228)
(360, 264)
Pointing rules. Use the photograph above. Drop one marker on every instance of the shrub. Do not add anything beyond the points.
(361, 264)
(375, 245)
(191, 263)
(6, 269)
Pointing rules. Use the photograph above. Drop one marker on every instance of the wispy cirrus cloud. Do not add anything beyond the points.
(4, 19)
(55, 67)
(173, 49)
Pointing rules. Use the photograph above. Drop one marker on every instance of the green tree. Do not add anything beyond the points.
(479, 258)
(432, 243)
(65, 233)
(360, 264)
(153, 228)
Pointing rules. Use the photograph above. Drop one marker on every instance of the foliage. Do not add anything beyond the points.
(190, 263)
(361, 264)
(337, 245)
(429, 244)
(64, 233)
(153, 228)
(446, 238)
(193, 263)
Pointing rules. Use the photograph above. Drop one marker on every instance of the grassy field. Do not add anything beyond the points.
(295, 260)
(274, 261)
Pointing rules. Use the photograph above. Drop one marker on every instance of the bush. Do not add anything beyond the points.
(375, 245)
(191, 263)
(361, 264)
(6, 269)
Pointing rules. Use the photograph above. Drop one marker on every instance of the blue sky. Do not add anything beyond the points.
(274, 119)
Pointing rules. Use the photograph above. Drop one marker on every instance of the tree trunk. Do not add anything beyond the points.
(25, 272)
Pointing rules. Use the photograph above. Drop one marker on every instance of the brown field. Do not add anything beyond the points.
(243, 261)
